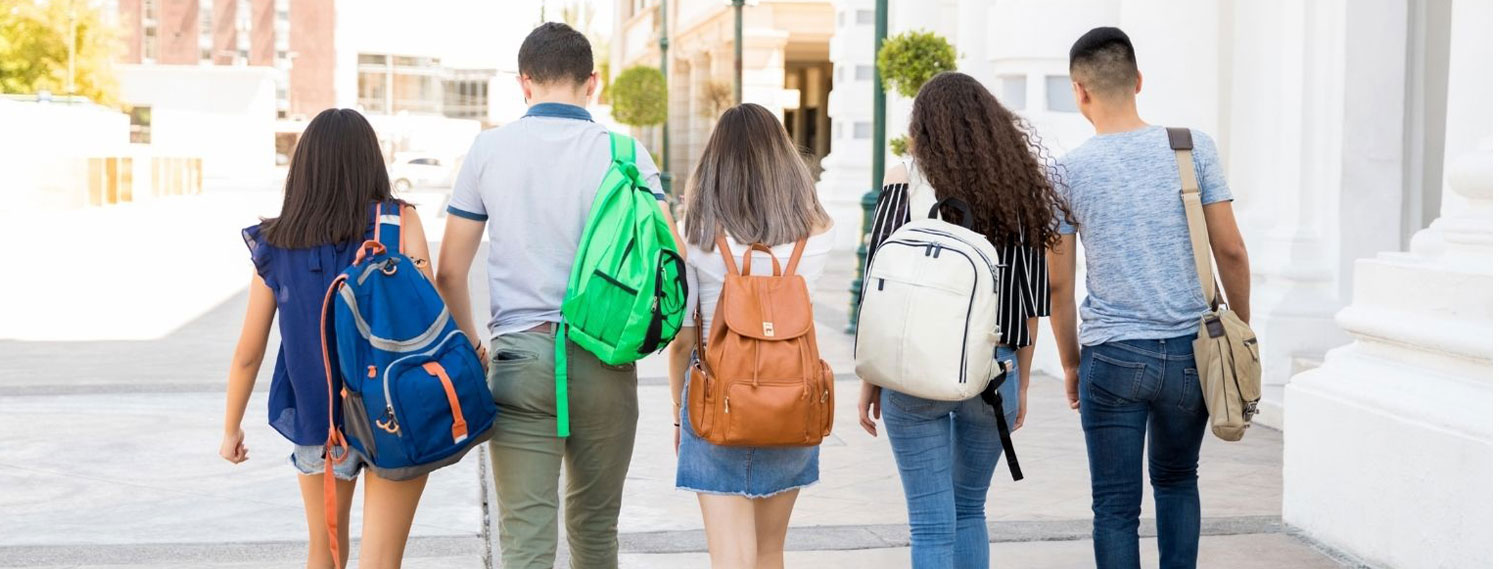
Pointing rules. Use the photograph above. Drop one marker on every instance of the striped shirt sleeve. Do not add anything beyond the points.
(891, 212)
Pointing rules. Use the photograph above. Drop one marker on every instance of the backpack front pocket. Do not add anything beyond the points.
(769, 414)
(441, 401)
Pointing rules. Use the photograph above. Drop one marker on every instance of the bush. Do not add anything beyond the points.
(909, 59)
(899, 145)
(639, 95)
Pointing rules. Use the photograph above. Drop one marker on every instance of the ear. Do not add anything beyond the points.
(525, 83)
(1139, 79)
(1080, 95)
(591, 85)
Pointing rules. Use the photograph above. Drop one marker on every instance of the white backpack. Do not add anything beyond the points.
(929, 313)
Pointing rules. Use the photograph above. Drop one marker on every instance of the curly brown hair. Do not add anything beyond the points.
(970, 147)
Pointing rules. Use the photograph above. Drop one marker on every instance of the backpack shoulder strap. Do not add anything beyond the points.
(731, 269)
(621, 148)
(388, 224)
(791, 264)
(1181, 140)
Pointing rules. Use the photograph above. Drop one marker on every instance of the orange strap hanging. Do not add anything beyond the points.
(460, 426)
(335, 436)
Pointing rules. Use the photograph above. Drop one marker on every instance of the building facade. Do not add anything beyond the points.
(786, 64)
(1345, 129)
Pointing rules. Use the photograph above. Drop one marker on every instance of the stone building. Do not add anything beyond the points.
(1346, 128)
(786, 67)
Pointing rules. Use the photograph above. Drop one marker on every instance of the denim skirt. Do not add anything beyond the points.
(752, 472)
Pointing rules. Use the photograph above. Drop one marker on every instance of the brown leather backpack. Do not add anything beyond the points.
(759, 381)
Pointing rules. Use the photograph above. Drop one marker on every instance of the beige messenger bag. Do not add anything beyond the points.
(1226, 351)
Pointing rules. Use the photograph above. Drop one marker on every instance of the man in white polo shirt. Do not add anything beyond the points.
(531, 183)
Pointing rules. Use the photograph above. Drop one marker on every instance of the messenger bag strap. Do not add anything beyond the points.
(1181, 140)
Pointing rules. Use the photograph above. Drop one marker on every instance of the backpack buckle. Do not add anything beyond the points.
(768, 329)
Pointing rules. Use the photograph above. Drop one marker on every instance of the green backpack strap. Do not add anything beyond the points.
(622, 152)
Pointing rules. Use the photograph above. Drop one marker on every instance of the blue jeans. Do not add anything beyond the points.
(1127, 389)
(946, 452)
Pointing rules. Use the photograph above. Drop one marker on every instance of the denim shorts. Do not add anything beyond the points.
(308, 459)
(752, 472)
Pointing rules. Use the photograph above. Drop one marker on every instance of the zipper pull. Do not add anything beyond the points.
(824, 399)
(726, 405)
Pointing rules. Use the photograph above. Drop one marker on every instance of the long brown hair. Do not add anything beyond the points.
(337, 171)
(969, 146)
(752, 183)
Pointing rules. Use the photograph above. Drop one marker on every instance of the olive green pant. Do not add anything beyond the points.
(528, 456)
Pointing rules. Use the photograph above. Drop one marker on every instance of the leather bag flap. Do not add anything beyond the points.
(767, 308)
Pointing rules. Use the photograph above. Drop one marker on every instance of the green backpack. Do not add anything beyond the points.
(628, 291)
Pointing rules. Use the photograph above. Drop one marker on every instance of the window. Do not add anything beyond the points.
(1013, 91)
(423, 162)
(864, 73)
(838, 130)
(864, 130)
(140, 125)
(864, 17)
(841, 19)
(1060, 94)
(148, 44)
(372, 59)
(205, 30)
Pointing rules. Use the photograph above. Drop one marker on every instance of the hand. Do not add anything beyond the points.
(1070, 386)
(233, 447)
(869, 398)
(1021, 404)
(484, 356)
(677, 427)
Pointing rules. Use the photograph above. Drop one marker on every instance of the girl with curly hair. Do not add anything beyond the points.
(966, 145)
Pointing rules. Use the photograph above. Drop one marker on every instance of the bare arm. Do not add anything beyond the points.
(248, 354)
(1062, 265)
(677, 364)
(414, 241)
(1230, 255)
(455, 256)
(1023, 360)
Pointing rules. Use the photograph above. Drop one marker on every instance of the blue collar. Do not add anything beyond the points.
(560, 111)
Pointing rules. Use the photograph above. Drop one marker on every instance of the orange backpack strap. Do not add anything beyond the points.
(335, 436)
(731, 268)
(791, 265)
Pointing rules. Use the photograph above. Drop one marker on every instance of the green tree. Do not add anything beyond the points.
(639, 95)
(34, 49)
(908, 60)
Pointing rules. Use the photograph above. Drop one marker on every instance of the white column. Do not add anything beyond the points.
(1284, 126)
(1389, 444)
(846, 170)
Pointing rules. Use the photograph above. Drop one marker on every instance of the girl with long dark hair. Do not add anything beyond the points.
(336, 184)
(966, 145)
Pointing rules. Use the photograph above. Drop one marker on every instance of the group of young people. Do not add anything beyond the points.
(529, 185)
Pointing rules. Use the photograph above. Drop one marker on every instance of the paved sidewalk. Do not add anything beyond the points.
(108, 460)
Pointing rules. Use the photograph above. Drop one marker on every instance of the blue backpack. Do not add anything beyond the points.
(413, 389)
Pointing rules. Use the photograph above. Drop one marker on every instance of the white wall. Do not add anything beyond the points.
(45, 147)
(225, 115)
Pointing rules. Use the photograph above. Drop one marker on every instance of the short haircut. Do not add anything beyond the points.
(554, 52)
(1103, 60)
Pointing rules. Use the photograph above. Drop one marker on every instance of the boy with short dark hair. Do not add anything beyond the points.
(531, 184)
(1142, 310)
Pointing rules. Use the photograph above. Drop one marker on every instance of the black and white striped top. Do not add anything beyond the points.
(1023, 269)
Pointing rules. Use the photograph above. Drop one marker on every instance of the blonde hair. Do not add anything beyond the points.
(751, 183)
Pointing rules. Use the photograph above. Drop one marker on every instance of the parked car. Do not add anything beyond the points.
(420, 171)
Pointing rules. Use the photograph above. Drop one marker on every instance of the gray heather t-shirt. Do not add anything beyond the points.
(1124, 190)
(534, 180)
